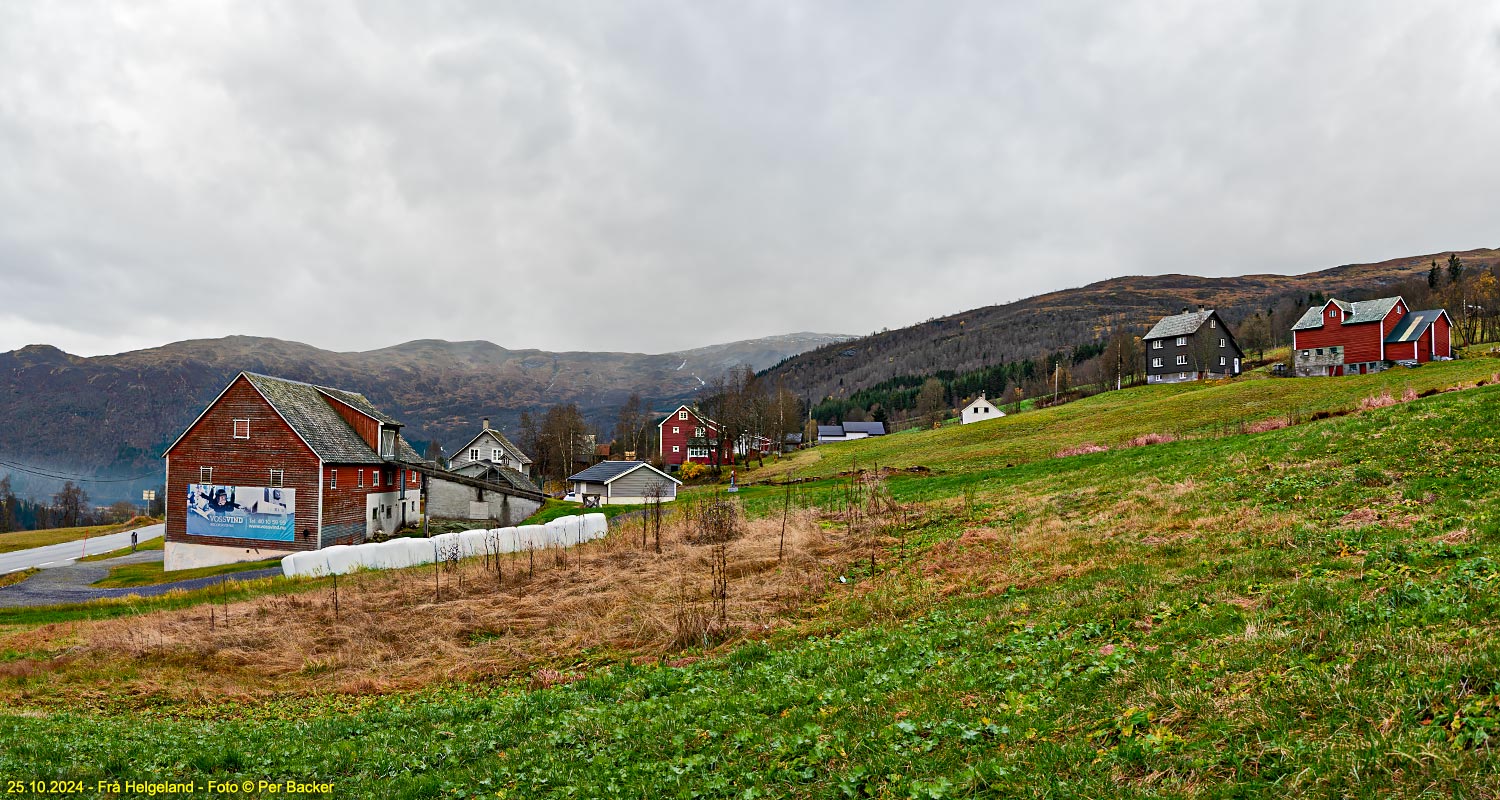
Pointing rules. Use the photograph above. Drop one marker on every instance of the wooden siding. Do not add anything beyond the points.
(345, 509)
(272, 445)
(1361, 342)
(636, 483)
(363, 424)
(679, 438)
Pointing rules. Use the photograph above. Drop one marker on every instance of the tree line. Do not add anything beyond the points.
(69, 508)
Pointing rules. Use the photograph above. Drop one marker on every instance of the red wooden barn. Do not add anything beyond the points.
(686, 435)
(273, 466)
(1343, 338)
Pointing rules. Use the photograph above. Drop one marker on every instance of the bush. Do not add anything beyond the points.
(1079, 450)
(691, 470)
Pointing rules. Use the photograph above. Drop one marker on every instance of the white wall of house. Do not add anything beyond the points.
(981, 410)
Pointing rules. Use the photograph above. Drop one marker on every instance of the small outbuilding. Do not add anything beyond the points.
(616, 482)
(980, 410)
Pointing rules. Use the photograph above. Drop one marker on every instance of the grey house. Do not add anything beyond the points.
(1191, 346)
(492, 448)
(623, 482)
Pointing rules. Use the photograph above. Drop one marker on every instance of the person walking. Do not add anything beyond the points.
(133, 540)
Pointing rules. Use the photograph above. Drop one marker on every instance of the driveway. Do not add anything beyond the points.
(58, 554)
(72, 583)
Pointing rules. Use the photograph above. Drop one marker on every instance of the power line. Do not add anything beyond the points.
(65, 477)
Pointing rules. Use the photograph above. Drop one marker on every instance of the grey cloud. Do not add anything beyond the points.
(357, 174)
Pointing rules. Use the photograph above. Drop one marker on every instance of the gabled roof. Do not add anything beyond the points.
(489, 470)
(830, 430)
(696, 414)
(505, 444)
(977, 401)
(1355, 313)
(609, 471)
(1413, 325)
(305, 409)
(871, 428)
(1179, 325)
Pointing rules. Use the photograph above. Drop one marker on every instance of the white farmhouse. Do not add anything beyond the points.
(981, 410)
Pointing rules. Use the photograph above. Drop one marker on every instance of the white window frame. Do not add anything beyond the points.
(387, 446)
(1182, 341)
(676, 449)
(333, 479)
(1156, 362)
(495, 454)
(697, 452)
(1155, 344)
(1213, 323)
(473, 454)
(675, 429)
(277, 478)
(359, 476)
(1182, 361)
(1223, 342)
(206, 475)
(1223, 362)
(682, 414)
(236, 431)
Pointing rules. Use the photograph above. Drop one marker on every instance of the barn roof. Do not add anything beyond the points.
(871, 428)
(312, 418)
(1359, 311)
(1413, 325)
(1179, 325)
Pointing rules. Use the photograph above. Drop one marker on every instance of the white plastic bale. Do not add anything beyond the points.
(444, 543)
(290, 567)
(597, 525)
(363, 555)
(392, 554)
(531, 537)
(419, 551)
(502, 540)
(474, 543)
(341, 559)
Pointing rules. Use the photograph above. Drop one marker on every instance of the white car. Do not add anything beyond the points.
(570, 497)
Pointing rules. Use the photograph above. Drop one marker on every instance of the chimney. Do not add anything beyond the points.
(1200, 308)
(486, 423)
(1185, 309)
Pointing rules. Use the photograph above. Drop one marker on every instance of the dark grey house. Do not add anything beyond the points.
(1191, 346)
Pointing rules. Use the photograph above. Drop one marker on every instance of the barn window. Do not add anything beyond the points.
(242, 429)
(676, 449)
(387, 442)
(276, 477)
(681, 415)
(359, 476)
(333, 479)
(675, 429)
(205, 474)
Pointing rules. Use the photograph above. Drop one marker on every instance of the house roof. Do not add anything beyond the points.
(1413, 325)
(697, 414)
(1355, 313)
(359, 403)
(978, 400)
(304, 408)
(1179, 325)
(497, 472)
(830, 430)
(607, 471)
(871, 428)
(510, 447)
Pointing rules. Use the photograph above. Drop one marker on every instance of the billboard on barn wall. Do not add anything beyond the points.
(242, 512)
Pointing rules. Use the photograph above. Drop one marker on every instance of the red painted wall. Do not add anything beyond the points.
(1404, 352)
(1360, 342)
(1440, 337)
(344, 504)
(679, 438)
(367, 428)
(243, 462)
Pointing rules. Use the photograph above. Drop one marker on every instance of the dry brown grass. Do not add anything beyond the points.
(390, 631)
(1082, 449)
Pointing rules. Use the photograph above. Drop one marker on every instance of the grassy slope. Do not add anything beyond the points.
(155, 543)
(151, 574)
(1114, 417)
(25, 540)
(1307, 611)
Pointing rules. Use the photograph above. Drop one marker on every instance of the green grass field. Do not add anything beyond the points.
(1310, 611)
(151, 574)
(156, 543)
(25, 540)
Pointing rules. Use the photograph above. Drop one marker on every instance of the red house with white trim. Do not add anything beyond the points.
(274, 466)
(1344, 338)
(685, 435)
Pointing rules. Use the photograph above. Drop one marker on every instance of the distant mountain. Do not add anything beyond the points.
(1062, 320)
(113, 415)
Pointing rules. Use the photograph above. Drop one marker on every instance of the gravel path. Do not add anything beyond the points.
(71, 584)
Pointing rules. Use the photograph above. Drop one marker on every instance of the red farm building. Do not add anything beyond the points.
(686, 435)
(274, 466)
(1343, 338)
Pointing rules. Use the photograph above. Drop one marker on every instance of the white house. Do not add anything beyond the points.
(491, 447)
(981, 410)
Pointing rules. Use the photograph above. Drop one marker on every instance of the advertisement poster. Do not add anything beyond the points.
(242, 512)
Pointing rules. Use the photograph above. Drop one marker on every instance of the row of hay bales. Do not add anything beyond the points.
(341, 559)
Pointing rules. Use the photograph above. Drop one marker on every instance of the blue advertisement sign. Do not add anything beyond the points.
(242, 512)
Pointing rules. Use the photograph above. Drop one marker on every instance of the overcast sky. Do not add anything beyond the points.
(658, 176)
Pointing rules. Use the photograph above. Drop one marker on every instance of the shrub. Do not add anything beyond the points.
(1082, 449)
(1151, 438)
(1409, 395)
(1265, 425)
(692, 470)
(1377, 401)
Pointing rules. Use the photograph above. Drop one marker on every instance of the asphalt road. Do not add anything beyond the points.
(57, 555)
(73, 583)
